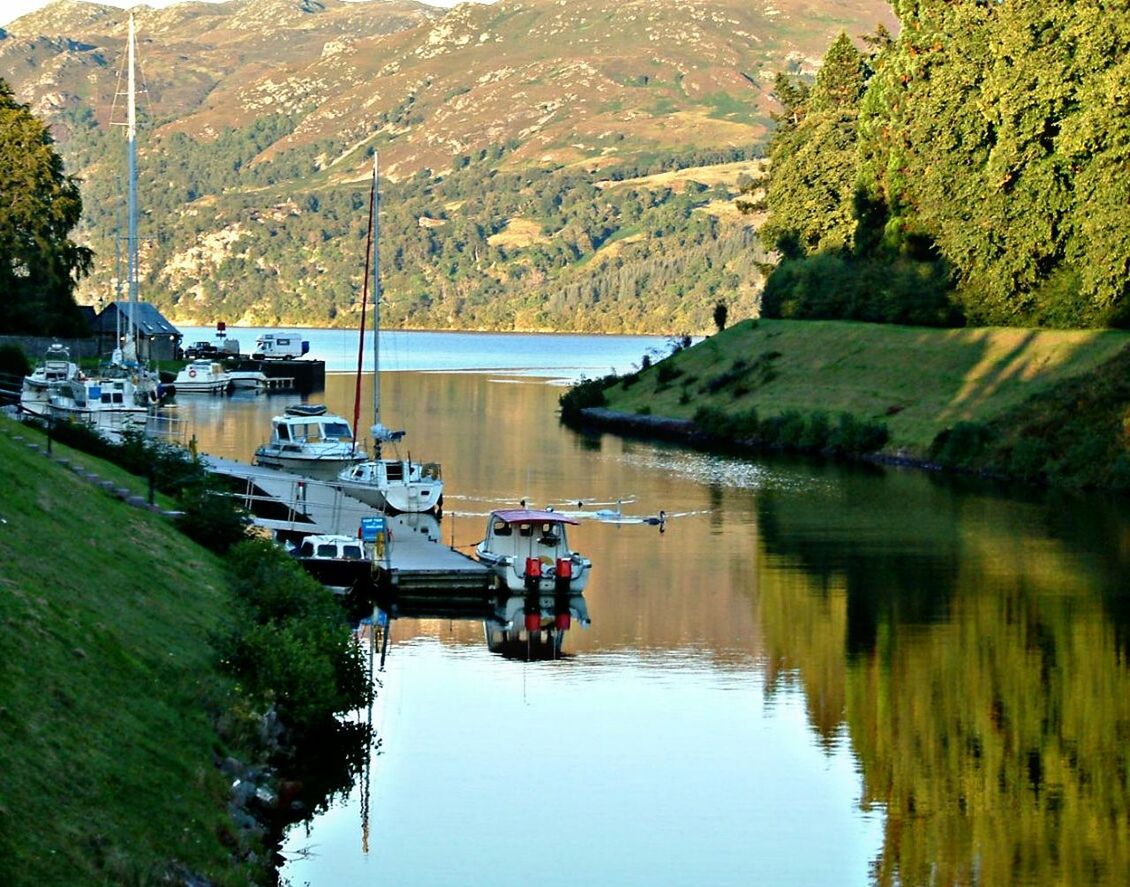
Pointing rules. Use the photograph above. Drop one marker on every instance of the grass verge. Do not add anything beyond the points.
(927, 387)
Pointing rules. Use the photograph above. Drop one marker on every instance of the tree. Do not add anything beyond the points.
(721, 312)
(40, 205)
(813, 158)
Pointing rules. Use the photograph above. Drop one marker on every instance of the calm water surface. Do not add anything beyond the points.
(814, 676)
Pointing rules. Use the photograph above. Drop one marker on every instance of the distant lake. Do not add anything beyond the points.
(565, 355)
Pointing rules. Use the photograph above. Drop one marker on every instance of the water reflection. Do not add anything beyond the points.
(970, 642)
(816, 675)
(516, 626)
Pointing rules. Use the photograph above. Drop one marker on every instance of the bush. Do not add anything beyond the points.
(877, 290)
(586, 393)
(13, 361)
(292, 648)
(961, 446)
(210, 517)
(666, 372)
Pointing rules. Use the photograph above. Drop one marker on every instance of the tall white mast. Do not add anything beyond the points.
(378, 430)
(131, 142)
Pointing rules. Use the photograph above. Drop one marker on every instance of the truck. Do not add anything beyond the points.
(280, 346)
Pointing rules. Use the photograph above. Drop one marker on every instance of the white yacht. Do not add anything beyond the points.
(55, 369)
(395, 485)
(309, 441)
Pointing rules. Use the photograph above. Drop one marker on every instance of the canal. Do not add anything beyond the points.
(816, 674)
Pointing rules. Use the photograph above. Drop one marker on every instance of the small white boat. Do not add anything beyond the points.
(248, 379)
(339, 562)
(202, 376)
(397, 486)
(529, 551)
(309, 441)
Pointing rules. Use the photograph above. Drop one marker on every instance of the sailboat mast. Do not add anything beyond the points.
(364, 307)
(131, 142)
(376, 301)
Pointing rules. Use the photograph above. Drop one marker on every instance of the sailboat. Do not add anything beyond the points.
(393, 485)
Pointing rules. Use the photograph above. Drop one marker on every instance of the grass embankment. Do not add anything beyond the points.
(108, 684)
(1014, 401)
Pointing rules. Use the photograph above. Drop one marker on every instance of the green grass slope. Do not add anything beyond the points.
(917, 381)
(108, 683)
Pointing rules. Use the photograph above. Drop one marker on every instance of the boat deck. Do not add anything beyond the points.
(414, 559)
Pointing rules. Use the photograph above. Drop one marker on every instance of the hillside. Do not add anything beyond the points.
(108, 617)
(261, 116)
(1040, 405)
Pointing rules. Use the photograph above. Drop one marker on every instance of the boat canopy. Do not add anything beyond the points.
(529, 516)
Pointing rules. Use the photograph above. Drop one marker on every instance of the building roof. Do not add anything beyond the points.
(149, 321)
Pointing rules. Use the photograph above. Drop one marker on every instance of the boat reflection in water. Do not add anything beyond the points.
(528, 626)
(533, 626)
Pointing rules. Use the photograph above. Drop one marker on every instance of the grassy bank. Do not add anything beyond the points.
(970, 397)
(108, 684)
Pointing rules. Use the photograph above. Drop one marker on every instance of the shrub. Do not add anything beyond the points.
(666, 372)
(210, 517)
(13, 361)
(961, 446)
(586, 393)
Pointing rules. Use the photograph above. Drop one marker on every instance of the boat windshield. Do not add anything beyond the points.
(336, 431)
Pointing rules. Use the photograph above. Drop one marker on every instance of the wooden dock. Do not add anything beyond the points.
(415, 560)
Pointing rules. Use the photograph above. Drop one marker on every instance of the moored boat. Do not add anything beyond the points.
(341, 563)
(317, 446)
(395, 485)
(106, 404)
(55, 369)
(255, 380)
(529, 551)
(202, 376)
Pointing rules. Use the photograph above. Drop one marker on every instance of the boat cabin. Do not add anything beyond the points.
(523, 533)
(327, 428)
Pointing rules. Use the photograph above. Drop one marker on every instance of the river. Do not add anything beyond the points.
(815, 675)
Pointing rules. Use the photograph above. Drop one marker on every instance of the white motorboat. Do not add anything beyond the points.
(341, 563)
(393, 485)
(309, 441)
(107, 404)
(55, 369)
(203, 376)
(254, 380)
(529, 551)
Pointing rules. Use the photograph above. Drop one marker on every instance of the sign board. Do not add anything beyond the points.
(371, 528)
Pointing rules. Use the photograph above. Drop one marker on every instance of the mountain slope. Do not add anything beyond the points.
(262, 114)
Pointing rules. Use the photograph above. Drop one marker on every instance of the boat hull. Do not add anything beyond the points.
(315, 467)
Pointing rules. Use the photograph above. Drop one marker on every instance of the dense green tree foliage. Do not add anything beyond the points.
(39, 205)
(990, 145)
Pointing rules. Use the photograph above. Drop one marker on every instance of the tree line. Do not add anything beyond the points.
(970, 170)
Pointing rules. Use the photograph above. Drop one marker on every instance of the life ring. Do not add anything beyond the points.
(192, 374)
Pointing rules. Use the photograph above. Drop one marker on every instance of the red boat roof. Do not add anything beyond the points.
(529, 516)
